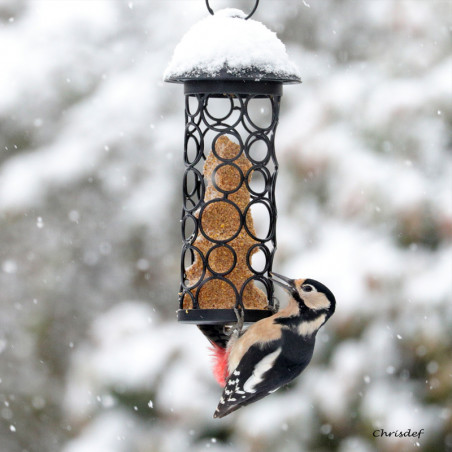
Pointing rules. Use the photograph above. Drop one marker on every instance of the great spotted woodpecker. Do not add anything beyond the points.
(275, 350)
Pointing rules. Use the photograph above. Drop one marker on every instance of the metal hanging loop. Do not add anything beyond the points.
(246, 18)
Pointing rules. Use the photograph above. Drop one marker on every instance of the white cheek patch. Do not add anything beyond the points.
(258, 373)
(315, 300)
(308, 328)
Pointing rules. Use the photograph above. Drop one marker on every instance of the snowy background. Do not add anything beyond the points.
(91, 357)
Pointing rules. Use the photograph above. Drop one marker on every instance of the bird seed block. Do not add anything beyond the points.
(220, 220)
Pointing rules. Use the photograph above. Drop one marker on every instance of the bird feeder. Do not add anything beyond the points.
(233, 70)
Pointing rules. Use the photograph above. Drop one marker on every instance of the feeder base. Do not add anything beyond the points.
(219, 316)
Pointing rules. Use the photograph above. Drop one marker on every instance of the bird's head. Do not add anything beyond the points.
(308, 293)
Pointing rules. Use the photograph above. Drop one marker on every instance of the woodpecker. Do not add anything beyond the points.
(275, 350)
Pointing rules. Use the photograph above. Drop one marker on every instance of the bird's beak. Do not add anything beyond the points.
(286, 283)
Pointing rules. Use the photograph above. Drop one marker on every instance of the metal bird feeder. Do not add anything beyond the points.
(229, 211)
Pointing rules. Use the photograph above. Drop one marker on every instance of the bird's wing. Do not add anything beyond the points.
(247, 383)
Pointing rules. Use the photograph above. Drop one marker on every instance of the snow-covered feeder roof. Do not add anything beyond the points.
(225, 46)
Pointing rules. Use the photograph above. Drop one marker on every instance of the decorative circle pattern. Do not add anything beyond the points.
(216, 198)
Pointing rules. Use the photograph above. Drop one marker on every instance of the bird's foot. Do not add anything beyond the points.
(240, 314)
(275, 308)
(236, 328)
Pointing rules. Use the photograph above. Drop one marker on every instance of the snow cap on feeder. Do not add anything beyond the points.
(225, 46)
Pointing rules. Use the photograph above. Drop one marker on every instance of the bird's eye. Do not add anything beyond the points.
(307, 288)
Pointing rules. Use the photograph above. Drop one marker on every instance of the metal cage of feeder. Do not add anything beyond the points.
(230, 176)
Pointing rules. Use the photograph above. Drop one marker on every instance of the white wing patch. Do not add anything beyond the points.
(258, 373)
(308, 328)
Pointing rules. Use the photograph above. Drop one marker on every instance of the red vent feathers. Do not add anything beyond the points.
(220, 363)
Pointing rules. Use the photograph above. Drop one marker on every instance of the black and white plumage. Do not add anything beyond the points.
(275, 350)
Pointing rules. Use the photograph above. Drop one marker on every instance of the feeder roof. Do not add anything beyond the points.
(227, 47)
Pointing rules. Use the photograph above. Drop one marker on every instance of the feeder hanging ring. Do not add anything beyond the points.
(246, 18)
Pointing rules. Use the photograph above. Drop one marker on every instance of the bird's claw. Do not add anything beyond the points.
(240, 314)
(276, 305)
(236, 328)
